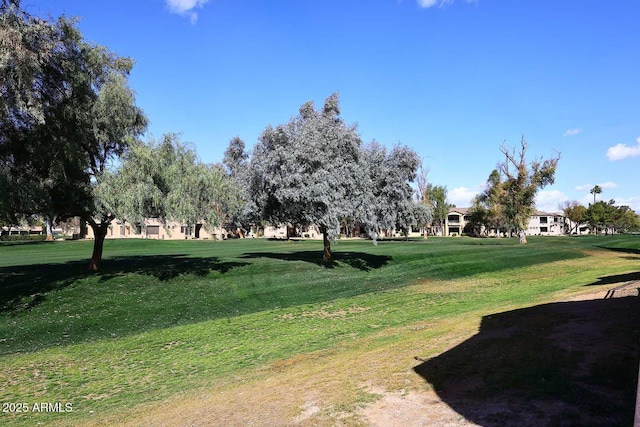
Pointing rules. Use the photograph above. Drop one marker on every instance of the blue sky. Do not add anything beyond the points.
(453, 79)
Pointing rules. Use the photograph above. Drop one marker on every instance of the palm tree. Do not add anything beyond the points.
(595, 190)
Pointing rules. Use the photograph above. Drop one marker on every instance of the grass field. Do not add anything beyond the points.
(169, 320)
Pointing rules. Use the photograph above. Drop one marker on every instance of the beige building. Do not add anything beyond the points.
(546, 224)
(458, 221)
(154, 229)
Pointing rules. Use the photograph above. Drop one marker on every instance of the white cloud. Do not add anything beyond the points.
(462, 196)
(633, 202)
(550, 200)
(572, 132)
(425, 4)
(608, 184)
(585, 187)
(623, 151)
(186, 7)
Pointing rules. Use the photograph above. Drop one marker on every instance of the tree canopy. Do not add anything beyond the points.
(315, 170)
(167, 181)
(508, 200)
(66, 113)
(487, 209)
(576, 213)
(310, 171)
(521, 184)
(391, 174)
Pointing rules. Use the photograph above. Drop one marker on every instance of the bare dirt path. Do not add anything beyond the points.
(587, 342)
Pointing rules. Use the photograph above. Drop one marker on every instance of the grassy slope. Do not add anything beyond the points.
(164, 317)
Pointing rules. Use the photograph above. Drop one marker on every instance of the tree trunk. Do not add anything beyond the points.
(99, 232)
(523, 237)
(83, 229)
(327, 257)
(47, 222)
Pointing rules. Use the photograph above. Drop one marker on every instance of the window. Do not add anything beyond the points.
(153, 229)
(544, 229)
(543, 220)
(453, 218)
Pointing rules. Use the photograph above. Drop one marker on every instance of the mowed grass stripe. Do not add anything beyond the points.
(215, 327)
(155, 284)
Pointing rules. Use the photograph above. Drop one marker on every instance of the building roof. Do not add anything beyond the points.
(465, 211)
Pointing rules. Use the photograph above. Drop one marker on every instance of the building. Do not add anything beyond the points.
(153, 228)
(546, 224)
(458, 221)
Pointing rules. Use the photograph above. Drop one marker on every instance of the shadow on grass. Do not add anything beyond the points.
(573, 363)
(360, 260)
(624, 250)
(24, 242)
(24, 287)
(616, 279)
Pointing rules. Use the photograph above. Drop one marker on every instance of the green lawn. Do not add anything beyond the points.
(163, 317)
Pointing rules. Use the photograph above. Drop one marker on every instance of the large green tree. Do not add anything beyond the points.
(67, 113)
(487, 209)
(165, 180)
(576, 213)
(609, 217)
(391, 174)
(522, 181)
(626, 220)
(236, 164)
(311, 170)
(440, 205)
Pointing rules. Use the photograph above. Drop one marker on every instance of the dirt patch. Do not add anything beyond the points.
(584, 354)
(326, 313)
(566, 363)
(410, 409)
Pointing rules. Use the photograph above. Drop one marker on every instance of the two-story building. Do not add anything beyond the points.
(153, 228)
(458, 221)
(546, 224)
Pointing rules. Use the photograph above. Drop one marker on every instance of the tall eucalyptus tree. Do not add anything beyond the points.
(165, 180)
(391, 174)
(523, 180)
(66, 113)
(311, 170)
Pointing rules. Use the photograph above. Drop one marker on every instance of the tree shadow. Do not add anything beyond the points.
(164, 267)
(616, 278)
(360, 260)
(624, 250)
(573, 363)
(24, 287)
(23, 243)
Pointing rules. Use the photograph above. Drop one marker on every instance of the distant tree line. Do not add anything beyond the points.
(70, 148)
(601, 217)
(508, 200)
